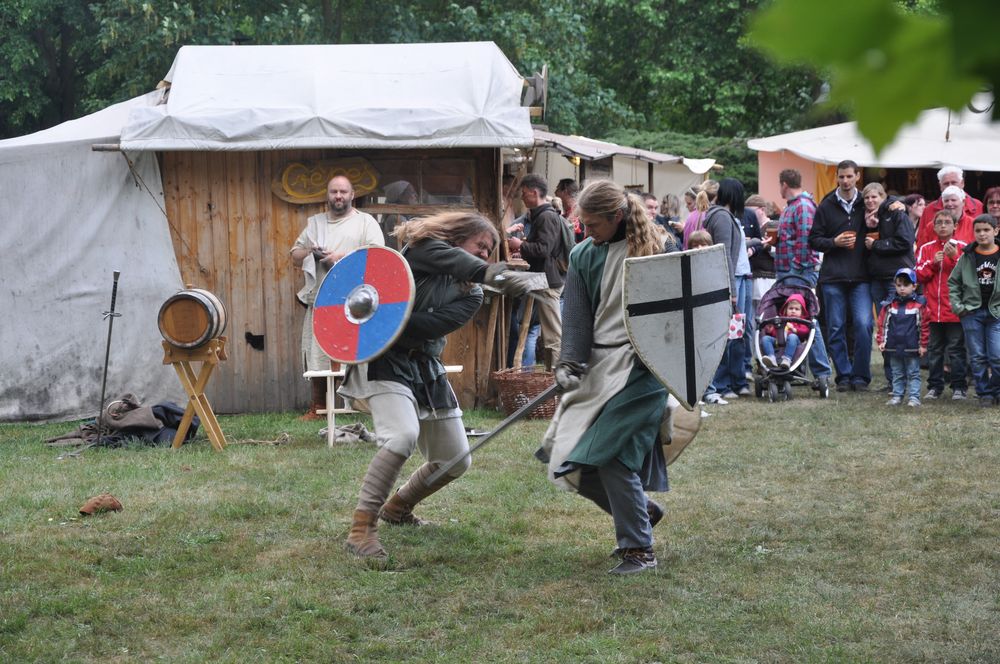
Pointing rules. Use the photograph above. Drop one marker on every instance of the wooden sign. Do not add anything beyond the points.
(304, 182)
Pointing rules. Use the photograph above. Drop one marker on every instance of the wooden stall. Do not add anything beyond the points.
(232, 228)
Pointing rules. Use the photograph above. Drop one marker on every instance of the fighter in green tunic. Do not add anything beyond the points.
(602, 442)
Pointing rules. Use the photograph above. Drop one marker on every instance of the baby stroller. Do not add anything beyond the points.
(777, 381)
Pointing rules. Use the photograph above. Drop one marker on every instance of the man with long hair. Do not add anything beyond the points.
(406, 389)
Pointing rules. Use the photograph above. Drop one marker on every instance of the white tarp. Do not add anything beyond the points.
(69, 217)
(939, 137)
(335, 96)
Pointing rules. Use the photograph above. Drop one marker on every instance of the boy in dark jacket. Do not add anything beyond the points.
(975, 299)
(903, 331)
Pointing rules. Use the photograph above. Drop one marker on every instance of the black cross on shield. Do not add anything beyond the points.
(677, 311)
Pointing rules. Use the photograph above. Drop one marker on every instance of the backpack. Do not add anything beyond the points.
(566, 246)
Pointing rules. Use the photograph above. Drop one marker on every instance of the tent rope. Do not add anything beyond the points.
(139, 181)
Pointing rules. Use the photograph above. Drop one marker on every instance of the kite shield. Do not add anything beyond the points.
(677, 311)
(363, 304)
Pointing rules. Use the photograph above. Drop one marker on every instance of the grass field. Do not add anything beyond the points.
(807, 531)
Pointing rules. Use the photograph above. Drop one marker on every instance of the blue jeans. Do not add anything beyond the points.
(881, 289)
(730, 375)
(531, 341)
(819, 362)
(837, 297)
(982, 339)
(791, 345)
(751, 325)
(905, 371)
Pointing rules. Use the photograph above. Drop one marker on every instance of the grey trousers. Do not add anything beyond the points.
(399, 430)
(618, 491)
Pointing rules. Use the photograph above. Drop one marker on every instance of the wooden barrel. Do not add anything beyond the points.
(192, 317)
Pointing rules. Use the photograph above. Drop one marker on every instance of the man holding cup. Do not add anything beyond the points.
(843, 278)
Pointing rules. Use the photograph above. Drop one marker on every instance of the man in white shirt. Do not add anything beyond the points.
(328, 237)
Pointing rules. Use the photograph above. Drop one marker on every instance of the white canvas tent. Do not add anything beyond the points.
(347, 96)
(70, 216)
(938, 137)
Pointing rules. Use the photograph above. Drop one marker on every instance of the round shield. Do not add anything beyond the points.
(363, 304)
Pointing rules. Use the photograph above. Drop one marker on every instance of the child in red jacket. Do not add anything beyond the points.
(902, 335)
(794, 333)
(935, 261)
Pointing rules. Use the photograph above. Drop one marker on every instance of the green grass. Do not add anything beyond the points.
(807, 531)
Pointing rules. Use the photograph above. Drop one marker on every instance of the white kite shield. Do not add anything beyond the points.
(677, 310)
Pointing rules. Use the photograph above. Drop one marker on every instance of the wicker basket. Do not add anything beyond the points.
(518, 386)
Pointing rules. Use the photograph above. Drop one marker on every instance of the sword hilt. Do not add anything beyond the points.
(114, 293)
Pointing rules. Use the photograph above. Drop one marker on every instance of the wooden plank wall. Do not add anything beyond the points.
(232, 235)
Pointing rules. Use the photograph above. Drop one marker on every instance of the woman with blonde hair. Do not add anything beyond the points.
(889, 237)
(704, 197)
(406, 389)
(602, 442)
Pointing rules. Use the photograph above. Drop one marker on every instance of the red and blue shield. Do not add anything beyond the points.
(363, 304)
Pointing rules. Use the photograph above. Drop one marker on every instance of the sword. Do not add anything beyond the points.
(110, 315)
(544, 396)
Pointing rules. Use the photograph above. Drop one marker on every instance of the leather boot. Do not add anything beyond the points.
(399, 513)
(398, 510)
(363, 539)
(318, 386)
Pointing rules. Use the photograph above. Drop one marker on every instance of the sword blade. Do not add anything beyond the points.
(518, 414)
(110, 315)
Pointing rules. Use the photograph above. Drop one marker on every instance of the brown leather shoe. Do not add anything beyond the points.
(363, 539)
(399, 513)
(102, 503)
(311, 415)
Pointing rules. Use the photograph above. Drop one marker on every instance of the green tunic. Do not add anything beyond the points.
(617, 411)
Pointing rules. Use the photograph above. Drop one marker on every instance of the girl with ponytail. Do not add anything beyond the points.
(603, 440)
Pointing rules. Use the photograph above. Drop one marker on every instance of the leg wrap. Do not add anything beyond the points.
(399, 509)
(381, 476)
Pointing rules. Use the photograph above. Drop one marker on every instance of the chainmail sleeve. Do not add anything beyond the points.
(577, 320)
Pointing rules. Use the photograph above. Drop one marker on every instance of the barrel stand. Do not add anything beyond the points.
(194, 384)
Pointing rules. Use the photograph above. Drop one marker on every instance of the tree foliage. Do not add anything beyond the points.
(648, 65)
(44, 54)
(886, 61)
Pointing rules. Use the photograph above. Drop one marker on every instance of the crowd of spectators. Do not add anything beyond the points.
(860, 248)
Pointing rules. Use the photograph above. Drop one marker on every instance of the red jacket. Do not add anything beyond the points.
(934, 277)
(925, 229)
(800, 330)
(903, 325)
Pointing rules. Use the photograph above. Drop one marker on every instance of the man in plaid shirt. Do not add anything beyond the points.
(793, 256)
